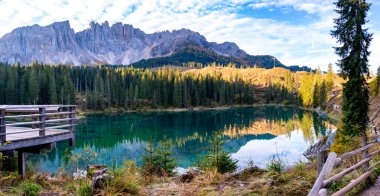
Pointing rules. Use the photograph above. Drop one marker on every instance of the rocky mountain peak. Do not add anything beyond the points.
(119, 43)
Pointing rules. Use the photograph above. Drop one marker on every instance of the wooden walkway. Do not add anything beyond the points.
(31, 128)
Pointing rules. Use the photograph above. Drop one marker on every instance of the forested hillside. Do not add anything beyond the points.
(195, 56)
(99, 87)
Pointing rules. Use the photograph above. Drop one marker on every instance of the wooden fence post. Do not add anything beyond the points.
(3, 128)
(326, 170)
(72, 116)
(21, 156)
(321, 158)
(42, 119)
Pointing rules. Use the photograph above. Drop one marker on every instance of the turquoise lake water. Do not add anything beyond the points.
(251, 134)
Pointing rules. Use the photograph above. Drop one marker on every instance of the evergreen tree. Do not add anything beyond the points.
(329, 78)
(354, 38)
(306, 89)
(33, 87)
(323, 96)
(316, 95)
(52, 90)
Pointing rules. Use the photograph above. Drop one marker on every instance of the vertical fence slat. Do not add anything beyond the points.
(42, 119)
(72, 116)
(3, 128)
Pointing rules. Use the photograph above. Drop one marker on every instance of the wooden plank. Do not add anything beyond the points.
(352, 184)
(60, 126)
(24, 123)
(23, 116)
(27, 142)
(355, 152)
(326, 170)
(59, 120)
(58, 113)
(12, 131)
(345, 172)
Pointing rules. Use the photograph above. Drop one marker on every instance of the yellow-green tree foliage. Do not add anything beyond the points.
(306, 89)
(329, 78)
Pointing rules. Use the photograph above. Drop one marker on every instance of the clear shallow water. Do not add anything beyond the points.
(254, 133)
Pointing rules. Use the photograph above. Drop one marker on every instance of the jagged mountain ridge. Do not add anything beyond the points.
(119, 44)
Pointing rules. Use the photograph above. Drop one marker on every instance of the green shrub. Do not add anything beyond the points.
(126, 180)
(71, 188)
(276, 166)
(217, 157)
(158, 160)
(30, 188)
(85, 190)
(300, 168)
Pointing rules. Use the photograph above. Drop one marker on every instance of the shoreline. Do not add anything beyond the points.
(83, 112)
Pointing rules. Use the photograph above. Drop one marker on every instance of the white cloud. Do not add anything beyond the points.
(219, 20)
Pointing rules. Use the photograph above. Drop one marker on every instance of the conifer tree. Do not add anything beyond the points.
(52, 90)
(33, 88)
(354, 38)
(316, 95)
(323, 96)
(329, 78)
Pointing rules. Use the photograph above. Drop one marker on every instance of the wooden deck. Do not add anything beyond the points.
(30, 128)
(20, 137)
(21, 133)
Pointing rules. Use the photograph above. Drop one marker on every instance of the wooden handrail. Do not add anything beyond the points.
(61, 126)
(319, 189)
(59, 120)
(23, 123)
(33, 106)
(345, 172)
(23, 116)
(36, 116)
(352, 184)
(58, 113)
(355, 152)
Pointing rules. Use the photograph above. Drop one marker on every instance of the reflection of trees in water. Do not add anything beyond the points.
(190, 131)
(306, 125)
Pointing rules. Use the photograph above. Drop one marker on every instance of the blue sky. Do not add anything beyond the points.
(295, 31)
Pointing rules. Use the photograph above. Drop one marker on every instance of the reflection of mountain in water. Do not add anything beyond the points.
(124, 136)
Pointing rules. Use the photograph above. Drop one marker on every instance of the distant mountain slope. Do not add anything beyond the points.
(119, 44)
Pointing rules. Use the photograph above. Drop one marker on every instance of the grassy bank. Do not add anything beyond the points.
(128, 180)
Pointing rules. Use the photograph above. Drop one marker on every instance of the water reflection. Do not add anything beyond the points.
(250, 134)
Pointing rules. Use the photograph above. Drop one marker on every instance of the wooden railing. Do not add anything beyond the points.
(22, 119)
(324, 178)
